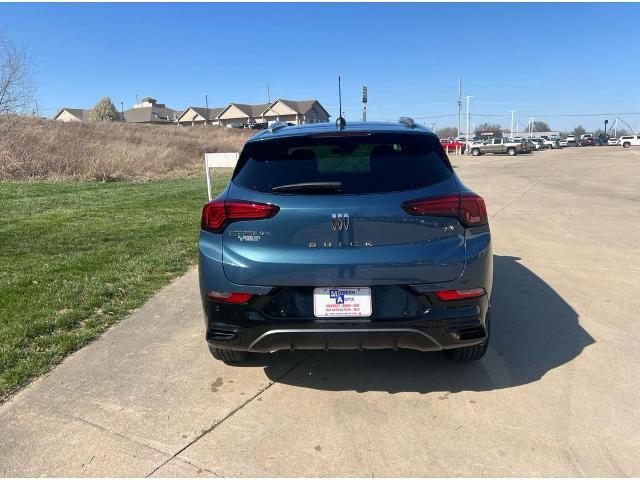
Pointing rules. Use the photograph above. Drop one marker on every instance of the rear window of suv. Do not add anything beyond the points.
(359, 162)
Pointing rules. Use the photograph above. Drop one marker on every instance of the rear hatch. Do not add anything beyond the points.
(340, 220)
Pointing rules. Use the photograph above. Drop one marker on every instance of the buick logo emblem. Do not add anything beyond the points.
(339, 221)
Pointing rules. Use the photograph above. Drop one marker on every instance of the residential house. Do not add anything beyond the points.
(290, 111)
(241, 114)
(72, 115)
(296, 112)
(199, 116)
(152, 112)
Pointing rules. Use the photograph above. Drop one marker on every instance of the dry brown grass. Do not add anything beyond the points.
(35, 149)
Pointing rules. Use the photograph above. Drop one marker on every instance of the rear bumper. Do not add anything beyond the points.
(440, 327)
(405, 316)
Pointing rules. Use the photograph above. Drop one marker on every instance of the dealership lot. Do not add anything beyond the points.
(556, 395)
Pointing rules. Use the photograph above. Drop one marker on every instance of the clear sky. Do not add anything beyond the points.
(550, 61)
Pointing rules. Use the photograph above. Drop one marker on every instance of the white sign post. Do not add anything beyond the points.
(218, 160)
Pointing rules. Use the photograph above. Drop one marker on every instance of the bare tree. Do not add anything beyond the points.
(579, 131)
(540, 127)
(489, 127)
(447, 132)
(16, 86)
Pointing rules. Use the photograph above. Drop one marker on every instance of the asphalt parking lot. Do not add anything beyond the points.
(556, 395)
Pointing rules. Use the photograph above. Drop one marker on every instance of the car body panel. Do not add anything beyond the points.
(382, 244)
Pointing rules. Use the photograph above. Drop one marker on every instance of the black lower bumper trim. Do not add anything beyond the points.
(346, 339)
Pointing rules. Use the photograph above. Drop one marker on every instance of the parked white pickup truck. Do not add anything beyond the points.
(629, 140)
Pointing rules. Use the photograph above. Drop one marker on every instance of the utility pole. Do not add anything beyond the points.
(459, 102)
(206, 102)
(468, 97)
(530, 126)
(122, 112)
(268, 94)
(512, 112)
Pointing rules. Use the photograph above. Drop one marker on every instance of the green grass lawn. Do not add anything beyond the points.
(77, 257)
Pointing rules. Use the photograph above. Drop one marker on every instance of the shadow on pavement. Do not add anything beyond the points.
(533, 331)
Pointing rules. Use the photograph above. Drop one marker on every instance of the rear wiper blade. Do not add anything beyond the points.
(309, 187)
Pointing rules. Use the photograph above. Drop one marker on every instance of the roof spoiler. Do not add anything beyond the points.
(407, 122)
(274, 127)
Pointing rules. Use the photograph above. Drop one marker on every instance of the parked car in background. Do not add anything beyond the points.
(288, 258)
(538, 143)
(563, 142)
(551, 143)
(498, 146)
(598, 142)
(585, 136)
(613, 141)
(629, 140)
(527, 146)
(587, 141)
(450, 145)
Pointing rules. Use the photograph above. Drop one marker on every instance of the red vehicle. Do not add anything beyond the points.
(450, 144)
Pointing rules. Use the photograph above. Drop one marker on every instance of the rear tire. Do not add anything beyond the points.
(228, 356)
(511, 152)
(475, 152)
(626, 145)
(473, 352)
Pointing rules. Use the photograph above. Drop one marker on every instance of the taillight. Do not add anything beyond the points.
(469, 209)
(473, 211)
(447, 295)
(219, 213)
(229, 297)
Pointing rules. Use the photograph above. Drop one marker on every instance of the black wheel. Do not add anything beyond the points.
(511, 151)
(626, 145)
(228, 356)
(473, 352)
(475, 152)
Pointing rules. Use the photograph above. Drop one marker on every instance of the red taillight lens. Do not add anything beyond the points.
(469, 209)
(447, 295)
(473, 211)
(229, 297)
(438, 206)
(218, 214)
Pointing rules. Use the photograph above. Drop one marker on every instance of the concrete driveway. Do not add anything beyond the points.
(556, 395)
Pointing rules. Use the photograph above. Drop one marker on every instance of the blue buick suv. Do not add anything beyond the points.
(357, 236)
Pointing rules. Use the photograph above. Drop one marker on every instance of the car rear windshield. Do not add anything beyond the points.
(355, 163)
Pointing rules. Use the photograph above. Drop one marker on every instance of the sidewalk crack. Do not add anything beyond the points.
(217, 423)
(523, 193)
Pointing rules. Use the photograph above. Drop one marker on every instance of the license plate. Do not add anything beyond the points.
(342, 302)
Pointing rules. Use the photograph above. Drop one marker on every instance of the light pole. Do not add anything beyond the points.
(530, 126)
(459, 104)
(122, 111)
(512, 112)
(468, 97)
(206, 102)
